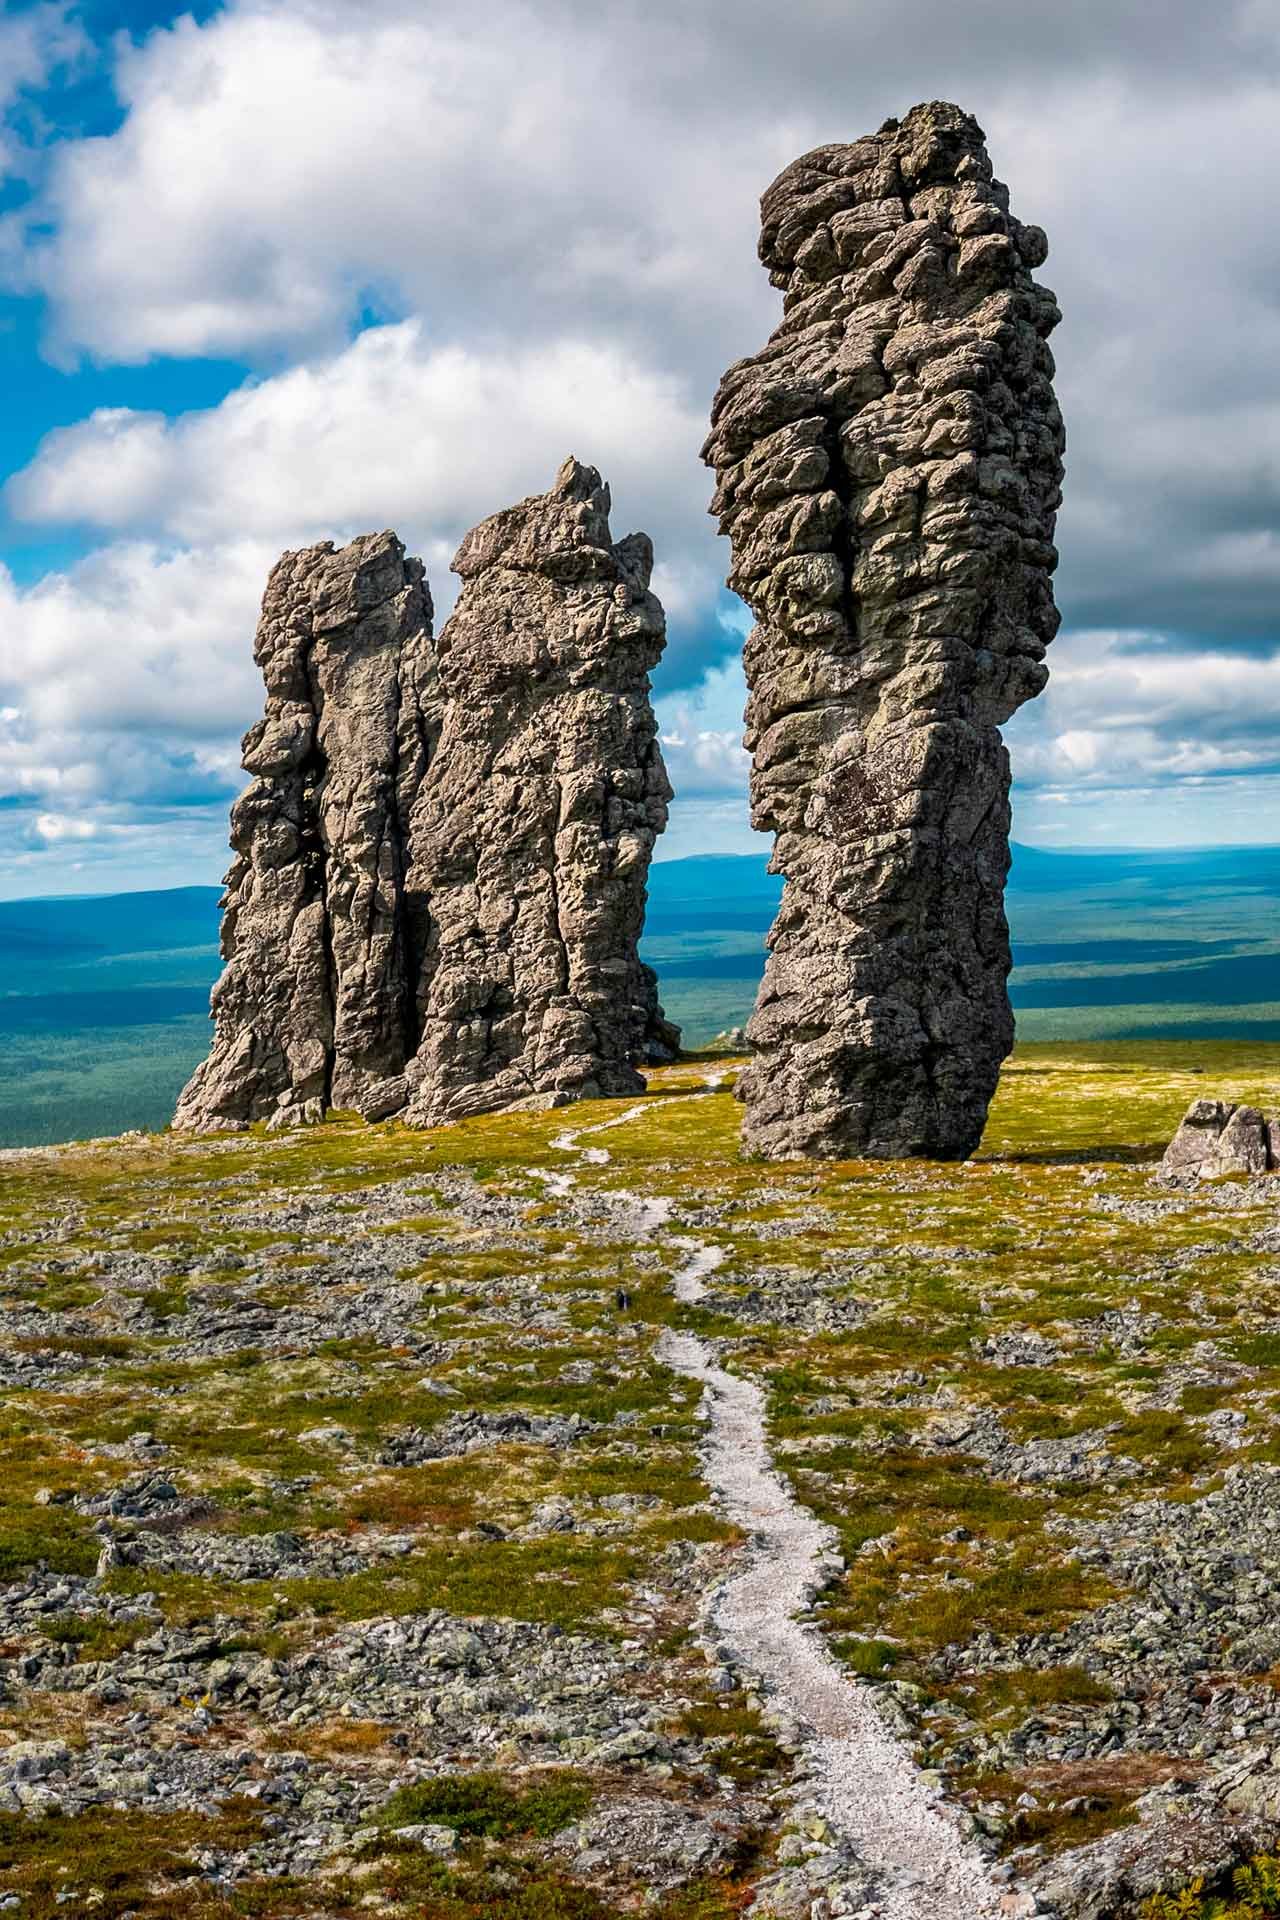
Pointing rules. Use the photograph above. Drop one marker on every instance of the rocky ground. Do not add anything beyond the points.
(357, 1541)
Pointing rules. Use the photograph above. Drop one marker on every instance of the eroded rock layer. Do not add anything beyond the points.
(439, 874)
(316, 1004)
(889, 469)
(532, 833)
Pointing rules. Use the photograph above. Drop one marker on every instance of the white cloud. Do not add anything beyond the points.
(127, 680)
(544, 183)
(701, 732)
(563, 200)
(1122, 707)
(283, 161)
(33, 43)
(65, 826)
(393, 430)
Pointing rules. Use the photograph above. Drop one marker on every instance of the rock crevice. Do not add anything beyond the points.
(888, 472)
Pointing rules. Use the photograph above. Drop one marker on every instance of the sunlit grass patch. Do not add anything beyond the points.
(1007, 1695)
(742, 1746)
(487, 1805)
(557, 1580)
(106, 1861)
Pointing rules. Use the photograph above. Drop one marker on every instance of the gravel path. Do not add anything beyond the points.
(871, 1792)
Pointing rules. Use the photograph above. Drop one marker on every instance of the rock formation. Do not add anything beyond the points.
(532, 833)
(889, 469)
(439, 874)
(315, 1006)
(1219, 1136)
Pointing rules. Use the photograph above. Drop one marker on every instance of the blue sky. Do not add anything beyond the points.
(282, 270)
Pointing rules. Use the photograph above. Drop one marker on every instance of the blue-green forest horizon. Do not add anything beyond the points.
(104, 997)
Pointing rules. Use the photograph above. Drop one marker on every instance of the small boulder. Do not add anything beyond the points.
(656, 1842)
(1218, 1137)
(430, 1837)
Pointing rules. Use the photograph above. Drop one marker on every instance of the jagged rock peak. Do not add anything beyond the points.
(532, 834)
(315, 1006)
(889, 468)
(439, 876)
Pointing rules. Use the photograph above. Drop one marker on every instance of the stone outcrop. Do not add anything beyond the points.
(439, 875)
(532, 834)
(889, 469)
(315, 1006)
(1220, 1136)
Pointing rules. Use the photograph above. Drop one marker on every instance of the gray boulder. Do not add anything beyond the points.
(1217, 1137)
(889, 468)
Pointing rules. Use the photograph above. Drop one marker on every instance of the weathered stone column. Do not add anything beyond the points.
(889, 469)
(532, 832)
(316, 1006)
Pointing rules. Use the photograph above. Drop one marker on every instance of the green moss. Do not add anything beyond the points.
(108, 1862)
(868, 1658)
(486, 1804)
(94, 1636)
(47, 1536)
(1006, 1697)
(1258, 1350)
(1166, 1441)
(743, 1748)
(559, 1581)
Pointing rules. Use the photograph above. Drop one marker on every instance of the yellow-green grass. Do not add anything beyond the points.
(1053, 1228)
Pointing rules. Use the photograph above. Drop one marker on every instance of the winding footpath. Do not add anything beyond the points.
(860, 1777)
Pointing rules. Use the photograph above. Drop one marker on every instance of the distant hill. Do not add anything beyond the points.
(90, 942)
(104, 998)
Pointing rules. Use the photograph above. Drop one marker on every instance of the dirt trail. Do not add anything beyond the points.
(863, 1779)
(870, 1790)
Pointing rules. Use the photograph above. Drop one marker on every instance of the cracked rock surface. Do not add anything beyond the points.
(533, 830)
(439, 876)
(314, 1006)
(1221, 1136)
(889, 468)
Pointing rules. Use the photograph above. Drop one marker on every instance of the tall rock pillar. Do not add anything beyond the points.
(889, 468)
(316, 1006)
(532, 832)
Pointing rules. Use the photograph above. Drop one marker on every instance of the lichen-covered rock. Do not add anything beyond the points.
(315, 1006)
(439, 876)
(889, 469)
(532, 832)
(1219, 1136)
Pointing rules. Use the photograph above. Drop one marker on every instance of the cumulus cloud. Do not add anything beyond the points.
(1121, 709)
(536, 174)
(393, 430)
(1183, 743)
(498, 168)
(126, 682)
(33, 44)
(65, 826)
(701, 732)
(554, 212)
